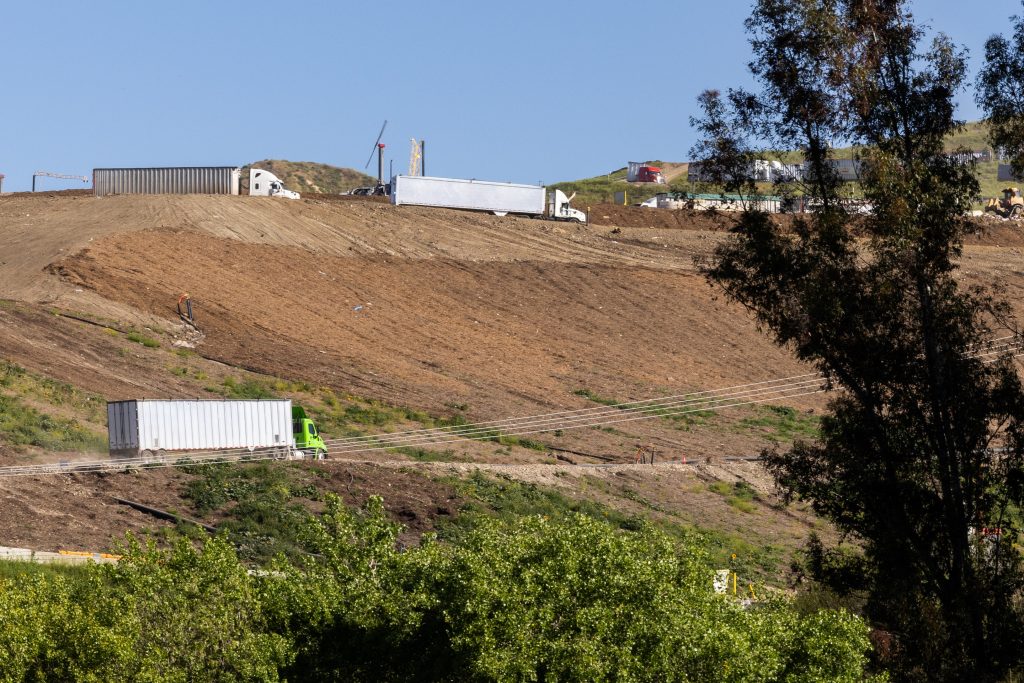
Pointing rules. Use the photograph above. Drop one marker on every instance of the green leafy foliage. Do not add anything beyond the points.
(265, 505)
(904, 463)
(178, 615)
(569, 599)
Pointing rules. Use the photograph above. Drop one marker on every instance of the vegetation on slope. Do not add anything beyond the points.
(310, 176)
(602, 188)
(27, 406)
(532, 599)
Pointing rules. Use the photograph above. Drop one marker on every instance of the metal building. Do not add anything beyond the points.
(167, 180)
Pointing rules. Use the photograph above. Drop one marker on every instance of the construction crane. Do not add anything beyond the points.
(47, 174)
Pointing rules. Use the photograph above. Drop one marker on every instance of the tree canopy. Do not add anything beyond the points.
(920, 455)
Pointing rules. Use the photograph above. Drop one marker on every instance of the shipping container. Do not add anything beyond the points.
(147, 427)
(479, 195)
(171, 180)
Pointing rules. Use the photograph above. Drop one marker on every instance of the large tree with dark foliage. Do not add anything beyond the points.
(920, 453)
(1000, 93)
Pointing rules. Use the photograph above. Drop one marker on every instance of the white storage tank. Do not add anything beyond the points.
(147, 427)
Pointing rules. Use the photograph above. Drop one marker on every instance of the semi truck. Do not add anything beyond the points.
(484, 195)
(153, 428)
(643, 173)
(265, 184)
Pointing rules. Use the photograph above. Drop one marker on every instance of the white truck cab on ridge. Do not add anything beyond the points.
(266, 184)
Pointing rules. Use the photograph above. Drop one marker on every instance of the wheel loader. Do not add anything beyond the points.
(1010, 205)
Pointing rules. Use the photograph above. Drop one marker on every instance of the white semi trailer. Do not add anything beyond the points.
(483, 195)
(153, 427)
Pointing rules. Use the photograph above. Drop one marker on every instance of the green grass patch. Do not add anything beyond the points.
(246, 388)
(351, 415)
(601, 189)
(22, 425)
(507, 499)
(262, 501)
(495, 436)
(15, 569)
(680, 416)
(591, 396)
(739, 495)
(781, 424)
(424, 455)
(16, 380)
(140, 338)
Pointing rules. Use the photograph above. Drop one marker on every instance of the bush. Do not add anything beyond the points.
(569, 599)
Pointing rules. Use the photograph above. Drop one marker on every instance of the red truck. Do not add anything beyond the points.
(642, 173)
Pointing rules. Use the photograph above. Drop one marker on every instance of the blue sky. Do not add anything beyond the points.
(522, 91)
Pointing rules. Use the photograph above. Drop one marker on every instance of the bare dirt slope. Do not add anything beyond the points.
(417, 307)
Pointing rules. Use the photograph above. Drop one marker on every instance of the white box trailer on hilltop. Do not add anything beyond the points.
(149, 427)
(483, 195)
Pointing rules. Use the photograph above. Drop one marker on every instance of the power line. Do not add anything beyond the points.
(682, 404)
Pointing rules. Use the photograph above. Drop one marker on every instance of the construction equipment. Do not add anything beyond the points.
(47, 174)
(1010, 205)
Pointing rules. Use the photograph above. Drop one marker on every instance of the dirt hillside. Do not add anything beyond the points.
(430, 310)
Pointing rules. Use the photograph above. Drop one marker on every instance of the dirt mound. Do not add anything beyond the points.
(504, 337)
(643, 217)
(419, 307)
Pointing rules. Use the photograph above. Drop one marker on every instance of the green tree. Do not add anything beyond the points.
(194, 614)
(921, 448)
(537, 599)
(1000, 96)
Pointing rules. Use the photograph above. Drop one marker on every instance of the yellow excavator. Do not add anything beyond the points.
(1010, 205)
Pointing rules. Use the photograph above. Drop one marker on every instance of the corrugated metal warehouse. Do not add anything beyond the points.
(170, 180)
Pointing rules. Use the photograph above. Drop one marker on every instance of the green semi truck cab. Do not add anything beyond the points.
(307, 438)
